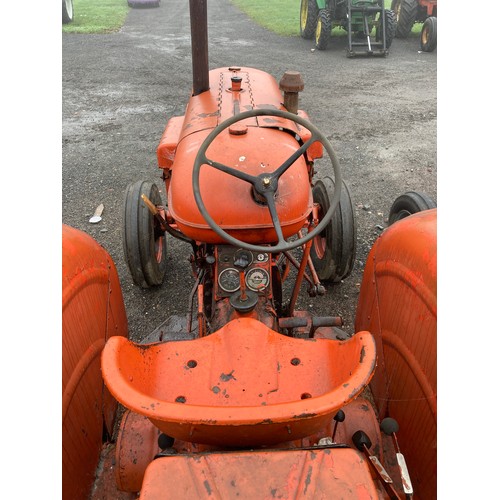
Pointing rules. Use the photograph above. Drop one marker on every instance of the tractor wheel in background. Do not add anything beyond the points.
(308, 17)
(323, 29)
(390, 28)
(406, 14)
(333, 251)
(428, 35)
(408, 204)
(144, 244)
(67, 11)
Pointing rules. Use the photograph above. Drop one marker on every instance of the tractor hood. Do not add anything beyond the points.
(255, 146)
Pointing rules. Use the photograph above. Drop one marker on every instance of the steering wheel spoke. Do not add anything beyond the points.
(231, 171)
(293, 158)
(271, 205)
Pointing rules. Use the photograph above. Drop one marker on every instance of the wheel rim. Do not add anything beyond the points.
(318, 31)
(159, 249)
(303, 15)
(319, 243)
(425, 35)
(397, 10)
(402, 214)
(69, 7)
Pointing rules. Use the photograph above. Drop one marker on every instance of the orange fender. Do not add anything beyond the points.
(397, 304)
(92, 311)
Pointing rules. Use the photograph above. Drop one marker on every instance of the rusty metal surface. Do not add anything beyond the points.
(136, 446)
(310, 474)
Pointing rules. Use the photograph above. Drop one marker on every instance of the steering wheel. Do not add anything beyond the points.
(266, 185)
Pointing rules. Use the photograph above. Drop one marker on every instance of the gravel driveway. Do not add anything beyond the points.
(119, 90)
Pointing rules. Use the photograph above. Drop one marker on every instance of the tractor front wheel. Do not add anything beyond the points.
(308, 17)
(408, 204)
(334, 250)
(428, 35)
(323, 29)
(406, 15)
(144, 243)
(390, 28)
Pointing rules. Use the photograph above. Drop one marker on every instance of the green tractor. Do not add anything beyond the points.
(357, 17)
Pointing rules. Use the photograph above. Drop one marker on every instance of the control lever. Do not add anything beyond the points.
(339, 417)
(389, 426)
(363, 444)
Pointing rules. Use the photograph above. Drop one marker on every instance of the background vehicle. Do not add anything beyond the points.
(409, 12)
(67, 11)
(357, 17)
(143, 3)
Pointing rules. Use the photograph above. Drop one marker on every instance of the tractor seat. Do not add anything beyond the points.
(244, 385)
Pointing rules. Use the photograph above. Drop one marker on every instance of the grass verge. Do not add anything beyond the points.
(97, 16)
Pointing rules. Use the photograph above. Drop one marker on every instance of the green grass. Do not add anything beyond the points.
(282, 16)
(97, 16)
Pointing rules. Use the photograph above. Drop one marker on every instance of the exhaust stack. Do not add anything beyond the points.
(199, 45)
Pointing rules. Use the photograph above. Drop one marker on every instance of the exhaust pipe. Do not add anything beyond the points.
(199, 45)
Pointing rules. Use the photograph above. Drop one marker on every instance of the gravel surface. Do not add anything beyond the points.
(119, 90)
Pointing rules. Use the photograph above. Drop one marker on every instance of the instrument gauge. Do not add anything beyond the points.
(257, 279)
(229, 280)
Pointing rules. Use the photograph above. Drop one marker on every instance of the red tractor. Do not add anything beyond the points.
(408, 12)
(247, 396)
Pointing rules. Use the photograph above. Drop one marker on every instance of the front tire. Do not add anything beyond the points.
(408, 204)
(428, 35)
(390, 28)
(67, 11)
(308, 17)
(323, 29)
(333, 251)
(144, 244)
(406, 15)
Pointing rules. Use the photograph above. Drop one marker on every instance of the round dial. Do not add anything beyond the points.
(257, 279)
(229, 280)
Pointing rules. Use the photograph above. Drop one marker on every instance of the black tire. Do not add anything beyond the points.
(333, 251)
(144, 244)
(308, 16)
(67, 11)
(390, 28)
(408, 204)
(323, 29)
(428, 35)
(406, 14)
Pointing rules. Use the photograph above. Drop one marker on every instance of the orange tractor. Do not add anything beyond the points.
(408, 12)
(248, 396)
